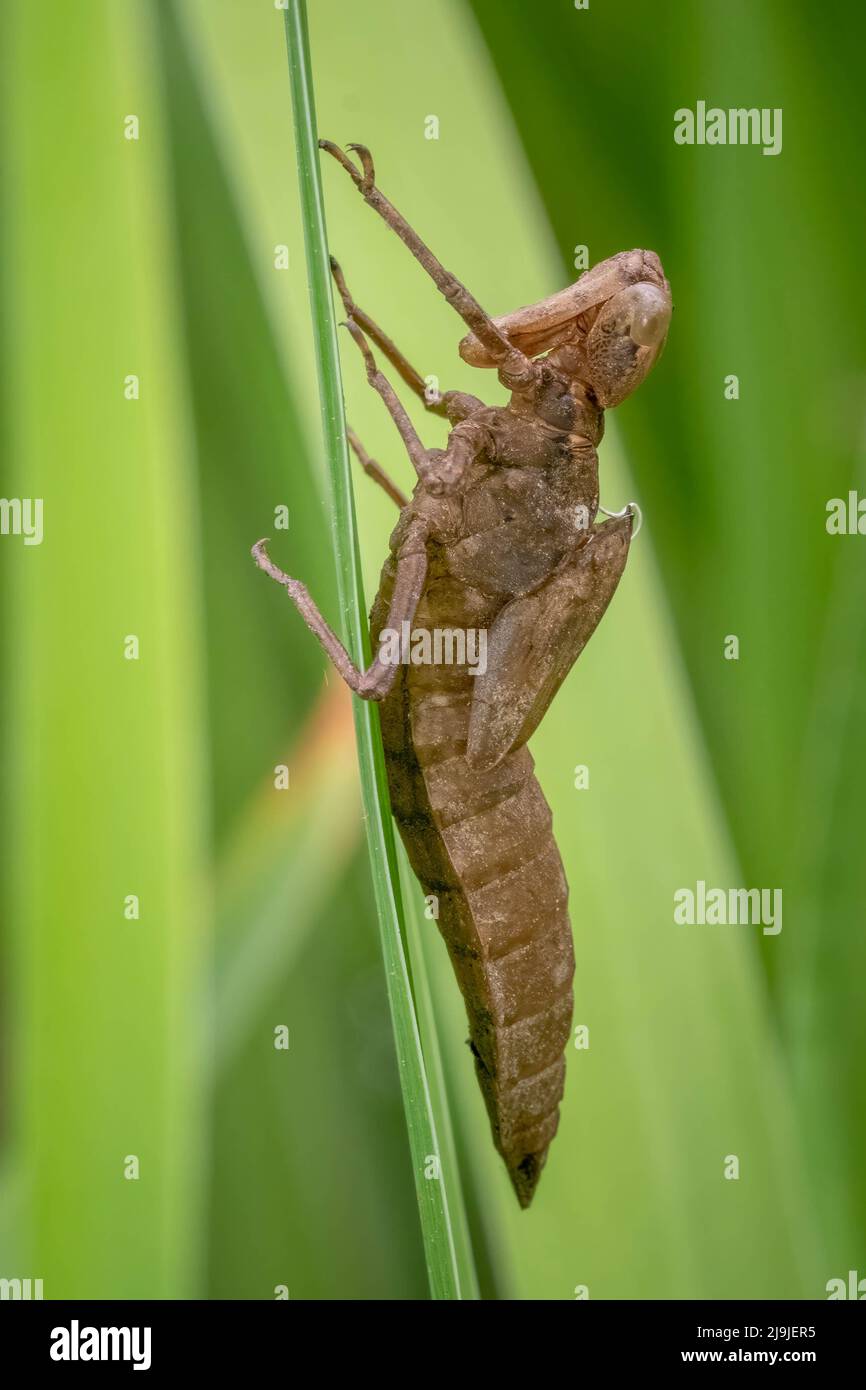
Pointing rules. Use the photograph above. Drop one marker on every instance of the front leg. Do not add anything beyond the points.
(411, 572)
(516, 370)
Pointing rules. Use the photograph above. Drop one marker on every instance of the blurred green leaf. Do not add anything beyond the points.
(277, 876)
(105, 786)
(251, 458)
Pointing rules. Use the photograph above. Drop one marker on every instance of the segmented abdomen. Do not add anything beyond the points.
(481, 842)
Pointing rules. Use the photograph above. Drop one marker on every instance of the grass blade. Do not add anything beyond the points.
(451, 1273)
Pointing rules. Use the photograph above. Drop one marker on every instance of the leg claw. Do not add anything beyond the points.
(341, 158)
(365, 180)
(367, 164)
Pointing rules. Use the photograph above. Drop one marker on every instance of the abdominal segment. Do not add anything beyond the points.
(480, 842)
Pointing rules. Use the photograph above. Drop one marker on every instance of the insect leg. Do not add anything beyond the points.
(411, 572)
(440, 470)
(453, 405)
(414, 447)
(375, 470)
(386, 345)
(519, 370)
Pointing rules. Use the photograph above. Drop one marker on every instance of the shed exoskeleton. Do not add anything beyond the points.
(500, 536)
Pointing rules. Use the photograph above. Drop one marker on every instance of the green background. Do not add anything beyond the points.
(154, 1037)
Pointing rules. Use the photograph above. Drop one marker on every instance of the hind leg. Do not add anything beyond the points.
(411, 572)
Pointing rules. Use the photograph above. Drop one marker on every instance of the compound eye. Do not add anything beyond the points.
(650, 314)
(626, 340)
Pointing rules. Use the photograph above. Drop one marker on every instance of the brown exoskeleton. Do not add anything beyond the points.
(500, 535)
